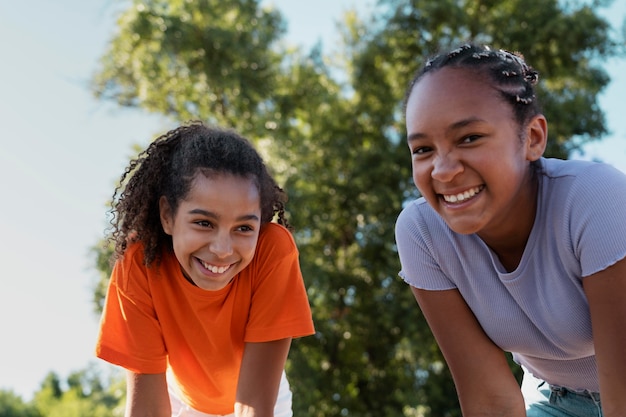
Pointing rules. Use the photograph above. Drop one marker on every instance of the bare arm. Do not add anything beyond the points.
(484, 382)
(259, 378)
(606, 293)
(147, 396)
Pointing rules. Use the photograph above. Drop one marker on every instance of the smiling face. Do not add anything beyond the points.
(469, 160)
(215, 229)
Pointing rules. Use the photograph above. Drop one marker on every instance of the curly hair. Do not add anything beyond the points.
(509, 73)
(167, 168)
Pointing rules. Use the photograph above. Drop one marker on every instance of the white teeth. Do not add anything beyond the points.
(457, 198)
(215, 269)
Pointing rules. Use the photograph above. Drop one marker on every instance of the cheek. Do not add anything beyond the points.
(185, 243)
(421, 176)
(182, 256)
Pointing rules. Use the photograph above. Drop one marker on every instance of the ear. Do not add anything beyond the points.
(167, 218)
(536, 137)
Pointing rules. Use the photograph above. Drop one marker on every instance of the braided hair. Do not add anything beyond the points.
(167, 168)
(511, 76)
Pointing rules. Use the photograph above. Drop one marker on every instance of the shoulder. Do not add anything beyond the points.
(276, 252)
(133, 256)
(129, 264)
(576, 183)
(583, 171)
(418, 218)
(275, 231)
(422, 233)
(275, 240)
(130, 269)
(413, 212)
(582, 206)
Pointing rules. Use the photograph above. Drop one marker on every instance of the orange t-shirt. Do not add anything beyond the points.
(154, 318)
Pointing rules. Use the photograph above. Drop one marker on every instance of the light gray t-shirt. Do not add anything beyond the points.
(539, 311)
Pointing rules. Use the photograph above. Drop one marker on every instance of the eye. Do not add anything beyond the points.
(420, 150)
(471, 138)
(245, 228)
(203, 223)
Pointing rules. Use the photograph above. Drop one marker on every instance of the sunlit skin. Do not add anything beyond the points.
(471, 160)
(215, 229)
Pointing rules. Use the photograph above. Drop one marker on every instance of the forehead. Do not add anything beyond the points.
(203, 180)
(449, 82)
(454, 93)
(223, 190)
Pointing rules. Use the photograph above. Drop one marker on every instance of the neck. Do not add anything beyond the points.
(510, 241)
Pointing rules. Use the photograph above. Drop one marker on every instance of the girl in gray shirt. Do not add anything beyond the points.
(509, 251)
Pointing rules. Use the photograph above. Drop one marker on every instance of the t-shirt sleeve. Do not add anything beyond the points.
(420, 267)
(279, 305)
(130, 334)
(598, 217)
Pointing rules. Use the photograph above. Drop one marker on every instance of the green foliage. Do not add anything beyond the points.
(12, 405)
(84, 393)
(210, 58)
(334, 136)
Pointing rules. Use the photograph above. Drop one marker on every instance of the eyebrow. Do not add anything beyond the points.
(245, 217)
(454, 126)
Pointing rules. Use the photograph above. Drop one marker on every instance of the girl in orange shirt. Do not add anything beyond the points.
(206, 292)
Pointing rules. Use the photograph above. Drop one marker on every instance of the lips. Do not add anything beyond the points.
(465, 195)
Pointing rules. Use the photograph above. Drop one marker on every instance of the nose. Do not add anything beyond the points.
(222, 245)
(446, 167)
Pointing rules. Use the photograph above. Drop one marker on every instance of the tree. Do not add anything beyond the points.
(86, 394)
(334, 135)
(83, 393)
(211, 59)
(12, 405)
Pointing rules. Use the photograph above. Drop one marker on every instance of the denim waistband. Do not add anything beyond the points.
(562, 391)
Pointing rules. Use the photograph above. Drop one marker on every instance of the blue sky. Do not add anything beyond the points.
(61, 152)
